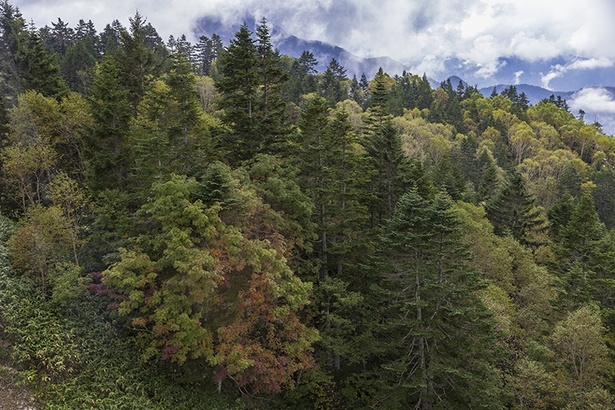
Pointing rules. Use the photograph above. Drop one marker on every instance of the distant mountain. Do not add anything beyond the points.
(293, 46)
(561, 73)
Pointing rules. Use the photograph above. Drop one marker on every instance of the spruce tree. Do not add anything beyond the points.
(139, 57)
(331, 87)
(390, 166)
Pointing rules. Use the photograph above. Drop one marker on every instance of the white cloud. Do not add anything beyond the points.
(590, 64)
(518, 75)
(421, 33)
(579, 64)
(594, 100)
(431, 65)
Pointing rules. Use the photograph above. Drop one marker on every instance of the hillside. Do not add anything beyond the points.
(200, 227)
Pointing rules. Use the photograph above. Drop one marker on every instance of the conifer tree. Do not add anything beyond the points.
(302, 79)
(390, 166)
(138, 57)
(331, 87)
(250, 84)
(238, 84)
(106, 150)
(513, 211)
(271, 123)
(436, 337)
(38, 70)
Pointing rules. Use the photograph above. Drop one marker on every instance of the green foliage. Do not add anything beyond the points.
(579, 344)
(292, 236)
(250, 85)
(206, 290)
(106, 149)
(512, 211)
(430, 305)
(82, 361)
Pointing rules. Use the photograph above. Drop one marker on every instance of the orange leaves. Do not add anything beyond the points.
(216, 290)
(265, 345)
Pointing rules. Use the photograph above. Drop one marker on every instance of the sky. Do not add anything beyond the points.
(419, 33)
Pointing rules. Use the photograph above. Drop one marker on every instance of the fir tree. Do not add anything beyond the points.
(512, 211)
(238, 84)
(436, 335)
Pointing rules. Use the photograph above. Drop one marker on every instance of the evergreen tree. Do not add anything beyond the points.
(171, 133)
(512, 211)
(332, 87)
(302, 79)
(111, 37)
(436, 337)
(390, 166)
(107, 152)
(333, 174)
(603, 196)
(271, 123)
(139, 57)
(238, 84)
(77, 66)
(38, 70)
(250, 83)
(207, 52)
(355, 92)
(425, 94)
(62, 37)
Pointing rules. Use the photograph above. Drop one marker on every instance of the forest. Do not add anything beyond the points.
(211, 226)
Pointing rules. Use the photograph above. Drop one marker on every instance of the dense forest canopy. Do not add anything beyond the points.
(199, 226)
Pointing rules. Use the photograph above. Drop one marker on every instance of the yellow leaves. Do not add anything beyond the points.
(424, 140)
(43, 240)
(579, 344)
(523, 141)
(27, 167)
(499, 304)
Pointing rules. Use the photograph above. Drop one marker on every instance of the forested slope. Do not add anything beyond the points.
(199, 226)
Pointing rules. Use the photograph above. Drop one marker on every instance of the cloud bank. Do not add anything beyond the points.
(419, 33)
(594, 100)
